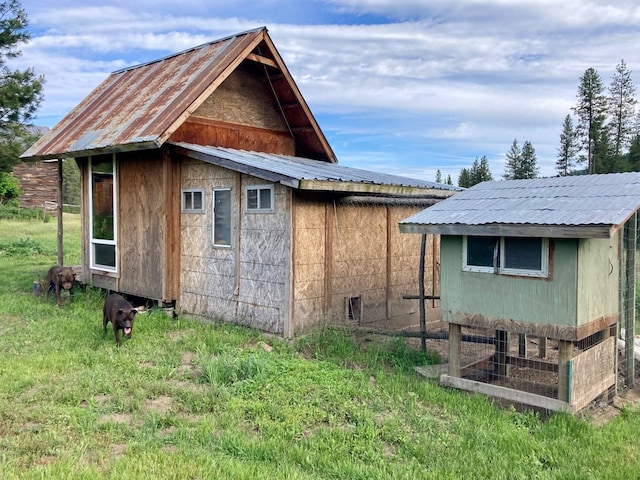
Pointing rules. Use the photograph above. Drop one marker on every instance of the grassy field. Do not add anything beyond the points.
(186, 400)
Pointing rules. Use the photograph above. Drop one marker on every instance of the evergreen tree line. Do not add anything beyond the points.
(605, 136)
(602, 135)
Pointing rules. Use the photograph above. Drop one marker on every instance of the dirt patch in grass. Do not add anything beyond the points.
(161, 404)
(115, 418)
(601, 412)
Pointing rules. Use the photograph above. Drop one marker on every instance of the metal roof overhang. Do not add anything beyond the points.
(127, 147)
(300, 183)
(512, 230)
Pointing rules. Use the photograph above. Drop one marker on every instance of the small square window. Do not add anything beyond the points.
(259, 198)
(192, 201)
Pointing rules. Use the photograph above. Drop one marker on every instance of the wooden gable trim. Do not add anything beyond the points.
(212, 87)
(303, 104)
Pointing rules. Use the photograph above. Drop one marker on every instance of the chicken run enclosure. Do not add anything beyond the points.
(539, 312)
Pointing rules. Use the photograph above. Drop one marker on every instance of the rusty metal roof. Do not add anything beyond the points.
(581, 206)
(141, 107)
(307, 174)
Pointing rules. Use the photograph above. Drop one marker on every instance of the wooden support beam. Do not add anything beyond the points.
(262, 60)
(455, 340)
(564, 370)
(542, 347)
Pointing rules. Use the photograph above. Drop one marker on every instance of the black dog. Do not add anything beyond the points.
(59, 278)
(121, 314)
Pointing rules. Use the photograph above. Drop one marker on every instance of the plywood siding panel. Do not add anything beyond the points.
(245, 283)
(598, 278)
(309, 262)
(537, 301)
(141, 227)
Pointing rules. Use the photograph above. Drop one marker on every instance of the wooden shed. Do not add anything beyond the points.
(208, 185)
(545, 263)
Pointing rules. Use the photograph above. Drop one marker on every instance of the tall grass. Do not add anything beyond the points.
(186, 399)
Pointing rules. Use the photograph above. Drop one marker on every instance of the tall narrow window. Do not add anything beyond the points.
(222, 217)
(103, 219)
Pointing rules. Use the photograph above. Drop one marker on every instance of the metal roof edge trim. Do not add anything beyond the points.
(545, 231)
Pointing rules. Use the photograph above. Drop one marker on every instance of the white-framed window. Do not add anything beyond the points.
(103, 221)
(259, 198)
(222, 217)
(192, 200)
(521, 256)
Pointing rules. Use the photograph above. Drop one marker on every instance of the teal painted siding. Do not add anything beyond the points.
(598, 278)
(551, 301)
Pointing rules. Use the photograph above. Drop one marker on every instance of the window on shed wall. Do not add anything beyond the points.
(193, 200)
(259, 198)
(521, 256)
(222, 217)
(103, 207)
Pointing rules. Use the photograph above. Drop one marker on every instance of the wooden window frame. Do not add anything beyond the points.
(499, 259)
(187, 203)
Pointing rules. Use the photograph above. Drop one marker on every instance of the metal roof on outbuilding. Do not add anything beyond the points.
(307, 174)
(140, 107)
(582, 206)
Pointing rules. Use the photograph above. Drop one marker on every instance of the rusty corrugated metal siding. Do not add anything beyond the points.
(138, 107)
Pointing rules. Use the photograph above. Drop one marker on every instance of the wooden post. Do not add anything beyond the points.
(423, 320)
(630, 230)
(455, 340)
(565, 355)
(522, 345)
(60, 223)
(542, 347)
(502, 348)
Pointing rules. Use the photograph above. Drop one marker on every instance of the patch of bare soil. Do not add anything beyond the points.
(161, 404)
(115, 418)
(601, 412)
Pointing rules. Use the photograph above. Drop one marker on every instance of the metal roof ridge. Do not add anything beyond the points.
(191, 49)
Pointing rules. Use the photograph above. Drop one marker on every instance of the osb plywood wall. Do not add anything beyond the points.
(245, 99)
(141, 229)
(366, 257)
(309, 263)
(245, 283)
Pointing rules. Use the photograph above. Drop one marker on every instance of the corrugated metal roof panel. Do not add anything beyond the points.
(139, 105)
(296, 170)
(576, 201)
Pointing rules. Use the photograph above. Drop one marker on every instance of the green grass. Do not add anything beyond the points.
(186, 399)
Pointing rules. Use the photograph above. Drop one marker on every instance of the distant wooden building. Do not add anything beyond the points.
(207, 184)
(527, 262)
(39, 184)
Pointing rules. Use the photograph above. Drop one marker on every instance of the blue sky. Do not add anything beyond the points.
(398, 86)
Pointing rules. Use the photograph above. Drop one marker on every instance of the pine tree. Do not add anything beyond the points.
(529, 161)
(512, 168)
(480, 171)
(449, 181)
(591, 111)
(438, 176)
(622, 103)
(568, 148)
(521, 163)
(20, 90)
(464, 180)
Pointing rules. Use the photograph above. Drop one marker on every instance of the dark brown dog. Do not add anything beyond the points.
(59, 278)
(121, 314)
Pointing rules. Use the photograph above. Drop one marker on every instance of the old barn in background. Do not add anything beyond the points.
(208, 185)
